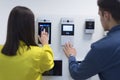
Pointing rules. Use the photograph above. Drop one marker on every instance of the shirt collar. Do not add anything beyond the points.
(115, 28)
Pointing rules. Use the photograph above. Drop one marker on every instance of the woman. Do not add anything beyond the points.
(20, 57)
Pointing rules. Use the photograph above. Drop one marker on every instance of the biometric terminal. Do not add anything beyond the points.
(89, 26)
(44, 24)
(67, 31)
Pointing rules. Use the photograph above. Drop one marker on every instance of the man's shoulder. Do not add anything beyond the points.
(103, 43)
(106, 42)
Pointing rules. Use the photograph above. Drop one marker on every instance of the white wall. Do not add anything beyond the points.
(79, 10)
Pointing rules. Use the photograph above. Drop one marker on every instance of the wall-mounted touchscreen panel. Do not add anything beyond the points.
(47, 27)
(89, 25)
(67, 29)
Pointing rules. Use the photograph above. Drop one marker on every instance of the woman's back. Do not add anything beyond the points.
(28, 64)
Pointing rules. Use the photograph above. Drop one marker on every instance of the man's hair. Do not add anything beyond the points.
(112, 6)
(20, 28)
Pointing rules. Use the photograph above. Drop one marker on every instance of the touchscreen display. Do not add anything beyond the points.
(47, 27)
(89, 24)
(67, 27)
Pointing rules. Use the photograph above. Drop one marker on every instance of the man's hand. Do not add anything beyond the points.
(69, 50)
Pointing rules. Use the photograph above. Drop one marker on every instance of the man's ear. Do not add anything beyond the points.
(107, 16)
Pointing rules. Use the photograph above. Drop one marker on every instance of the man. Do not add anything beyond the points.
(104, 57)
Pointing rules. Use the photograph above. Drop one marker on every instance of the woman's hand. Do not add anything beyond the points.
(43, 38)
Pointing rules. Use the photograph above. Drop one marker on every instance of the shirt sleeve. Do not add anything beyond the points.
(47, 59)
(94, 62)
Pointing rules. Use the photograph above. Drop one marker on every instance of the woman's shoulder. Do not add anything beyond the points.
(35, 52)
(39, 50)
(1, 46)
(35, 48)
(40, 47)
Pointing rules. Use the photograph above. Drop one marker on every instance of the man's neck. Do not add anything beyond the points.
(113, 24)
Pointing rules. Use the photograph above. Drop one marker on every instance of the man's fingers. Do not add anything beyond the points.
(70, 45)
